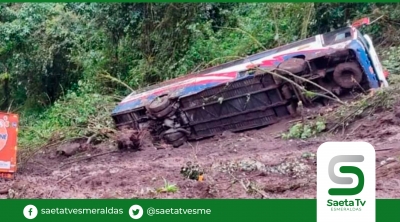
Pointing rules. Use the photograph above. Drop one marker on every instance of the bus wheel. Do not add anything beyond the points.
(347, 75)
(179, 142)
(158, 104)
(172, 137)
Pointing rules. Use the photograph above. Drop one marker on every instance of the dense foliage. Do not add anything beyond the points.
(46, 49)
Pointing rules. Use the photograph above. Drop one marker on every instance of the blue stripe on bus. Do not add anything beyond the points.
(365, 62)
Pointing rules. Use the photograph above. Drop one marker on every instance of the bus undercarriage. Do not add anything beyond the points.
(260, 97)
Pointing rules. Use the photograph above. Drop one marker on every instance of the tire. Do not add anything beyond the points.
(158, 104)
(165, 112)
(343, 73)
(185, 131)
(293, 65)
(172, 137)
(169, 131)
(179, 142)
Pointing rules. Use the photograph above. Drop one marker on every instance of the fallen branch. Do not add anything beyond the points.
(108, 76)
(344, 120)
(376, 19)
(248, 187)
(302, 88)
(351, 133)
(26, 160)
(64, 178)
(89, 140)
(312, 83)
(261, 192)
(358, 84)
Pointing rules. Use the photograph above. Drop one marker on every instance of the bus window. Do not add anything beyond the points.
(337, 36)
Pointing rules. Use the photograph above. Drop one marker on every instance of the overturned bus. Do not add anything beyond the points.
(256, 91)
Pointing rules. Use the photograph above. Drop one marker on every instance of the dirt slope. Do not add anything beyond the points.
(253, 164)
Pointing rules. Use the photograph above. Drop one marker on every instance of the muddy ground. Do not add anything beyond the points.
(252, 164)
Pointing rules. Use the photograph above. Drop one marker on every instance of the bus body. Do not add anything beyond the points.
(255, 91)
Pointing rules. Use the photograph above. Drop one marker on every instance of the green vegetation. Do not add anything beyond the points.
(383, 99)
(305, 130)
(80, 113)
(391, 62)
(168, 188)
(62, 64)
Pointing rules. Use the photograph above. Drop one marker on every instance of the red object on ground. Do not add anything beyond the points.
(360, 22)
(386, 73)
(8, 144)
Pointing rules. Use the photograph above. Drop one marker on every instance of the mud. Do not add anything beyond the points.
(252, 164)
(129, 139)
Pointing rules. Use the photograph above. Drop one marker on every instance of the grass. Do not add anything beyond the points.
(168, 187)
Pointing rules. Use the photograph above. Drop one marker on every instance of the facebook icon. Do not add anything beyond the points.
(30, 212)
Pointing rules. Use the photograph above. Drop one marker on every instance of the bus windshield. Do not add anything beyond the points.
(337, 36)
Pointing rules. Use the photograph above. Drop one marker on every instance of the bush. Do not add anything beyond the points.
(78, 114)
(304, 131)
